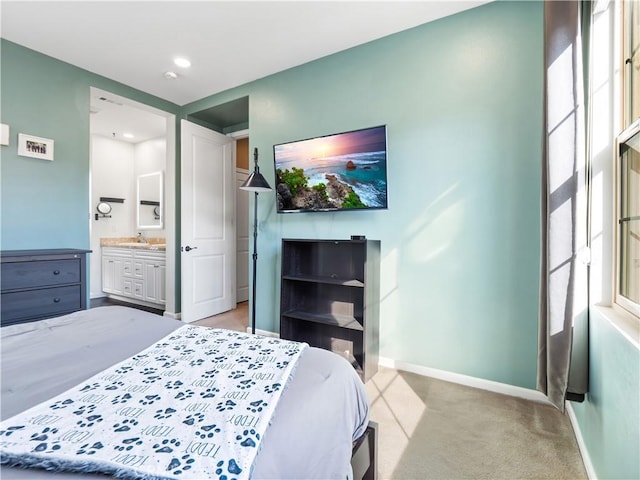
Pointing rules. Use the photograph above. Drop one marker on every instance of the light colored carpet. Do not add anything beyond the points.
(432, 429)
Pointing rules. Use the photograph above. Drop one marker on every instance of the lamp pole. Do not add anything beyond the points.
(255, 183)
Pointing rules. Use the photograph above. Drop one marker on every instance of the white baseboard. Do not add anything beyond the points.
(481, 383)
(264, 333)
(584, 452)
(175, 316)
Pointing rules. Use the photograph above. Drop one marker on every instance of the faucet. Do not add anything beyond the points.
(141, 238)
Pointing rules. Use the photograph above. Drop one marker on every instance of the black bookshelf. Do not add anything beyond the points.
(330, 297)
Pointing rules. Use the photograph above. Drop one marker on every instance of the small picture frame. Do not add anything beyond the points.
(35, 147)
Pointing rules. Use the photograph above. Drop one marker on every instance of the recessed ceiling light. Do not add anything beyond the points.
(127, 135)
(182, 62)
(170, 75)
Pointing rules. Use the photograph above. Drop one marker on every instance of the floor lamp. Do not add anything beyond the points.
(255, 183)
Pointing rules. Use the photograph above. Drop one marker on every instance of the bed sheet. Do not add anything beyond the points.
(322, 411)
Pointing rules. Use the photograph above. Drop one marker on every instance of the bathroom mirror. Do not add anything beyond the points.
(150, 195)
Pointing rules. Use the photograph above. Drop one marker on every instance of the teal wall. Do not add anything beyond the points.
(46, 204)
(462, 101)
(609, 418)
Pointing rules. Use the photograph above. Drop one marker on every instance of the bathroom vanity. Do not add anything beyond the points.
(134, 272)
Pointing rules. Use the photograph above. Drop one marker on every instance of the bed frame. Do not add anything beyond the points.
(364, 456)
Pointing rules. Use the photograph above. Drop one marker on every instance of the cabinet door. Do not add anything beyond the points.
(112, 270)
(154, 281)
(162, 290)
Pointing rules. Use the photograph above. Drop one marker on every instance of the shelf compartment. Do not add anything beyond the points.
(328, 259)
(347, 282)
(335, 320)
(344, 342)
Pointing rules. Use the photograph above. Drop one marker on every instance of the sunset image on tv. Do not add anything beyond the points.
(335, 172)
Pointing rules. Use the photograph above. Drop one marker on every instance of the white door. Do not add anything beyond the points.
(242, 238)
(208, 232)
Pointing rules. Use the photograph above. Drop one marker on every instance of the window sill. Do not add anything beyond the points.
(623, 321)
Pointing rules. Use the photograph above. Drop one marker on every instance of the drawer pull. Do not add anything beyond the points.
(56, 300)
(56, 272)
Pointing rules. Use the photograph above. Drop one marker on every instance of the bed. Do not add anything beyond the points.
(319, 429)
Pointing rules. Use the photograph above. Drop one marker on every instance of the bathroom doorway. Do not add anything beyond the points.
(129, 140)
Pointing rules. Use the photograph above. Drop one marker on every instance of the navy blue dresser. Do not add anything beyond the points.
(37, 284)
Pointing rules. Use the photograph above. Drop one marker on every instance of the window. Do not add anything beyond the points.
(628, 167)
(629, 219)
(631, 48)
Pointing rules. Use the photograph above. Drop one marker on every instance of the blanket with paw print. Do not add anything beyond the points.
(193, 405)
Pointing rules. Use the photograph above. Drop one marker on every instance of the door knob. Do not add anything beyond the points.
(188, 248)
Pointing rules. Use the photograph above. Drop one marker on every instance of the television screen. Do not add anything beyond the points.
(343, 171)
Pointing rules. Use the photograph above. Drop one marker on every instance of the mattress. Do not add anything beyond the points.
(321, 412)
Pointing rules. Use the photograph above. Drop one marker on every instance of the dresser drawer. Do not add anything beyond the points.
(40, 273)
(46, 302)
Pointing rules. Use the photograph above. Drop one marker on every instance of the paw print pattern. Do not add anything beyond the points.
(195, 363)
(232, 467)
(89, 450)
(282, 365)
(142, 356)
(44, 447)
(125, 425)
(148, 371)
(207, 431)
(124, 369)
(255, 366)
(213, 351)
(257, 406)
(128, 444)
(43, 435)
(272, 388)
(85, 409)
(247, 438)
(163, 358)
(188, 351)
(228, 405)
(244, 384)
(184, 394)
(266, 351)
(149, 399)
(170, 363)
(209, 392)
(89, 387)
(243, 359)
(234, 345)
(166, 413)
(9, 431)
(173, 384)
(152, 379)
(210, 373)
(61, 404)
(114, 386)
(90, 421)
(42, 438)
(236, 374)
(121, 398)
(191, 419)
(178, 465)
(166, 446)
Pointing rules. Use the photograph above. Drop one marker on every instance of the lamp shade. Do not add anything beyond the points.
(255, 183)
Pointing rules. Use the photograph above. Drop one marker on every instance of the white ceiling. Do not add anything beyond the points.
(228, 42)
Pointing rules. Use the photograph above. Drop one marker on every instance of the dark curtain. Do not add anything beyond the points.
(563, 323)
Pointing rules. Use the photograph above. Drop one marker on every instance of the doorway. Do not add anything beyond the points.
(127, 138)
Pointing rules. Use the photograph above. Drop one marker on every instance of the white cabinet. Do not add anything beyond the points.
(137, 274)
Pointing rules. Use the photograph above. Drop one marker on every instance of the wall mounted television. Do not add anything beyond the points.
(339, 172)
